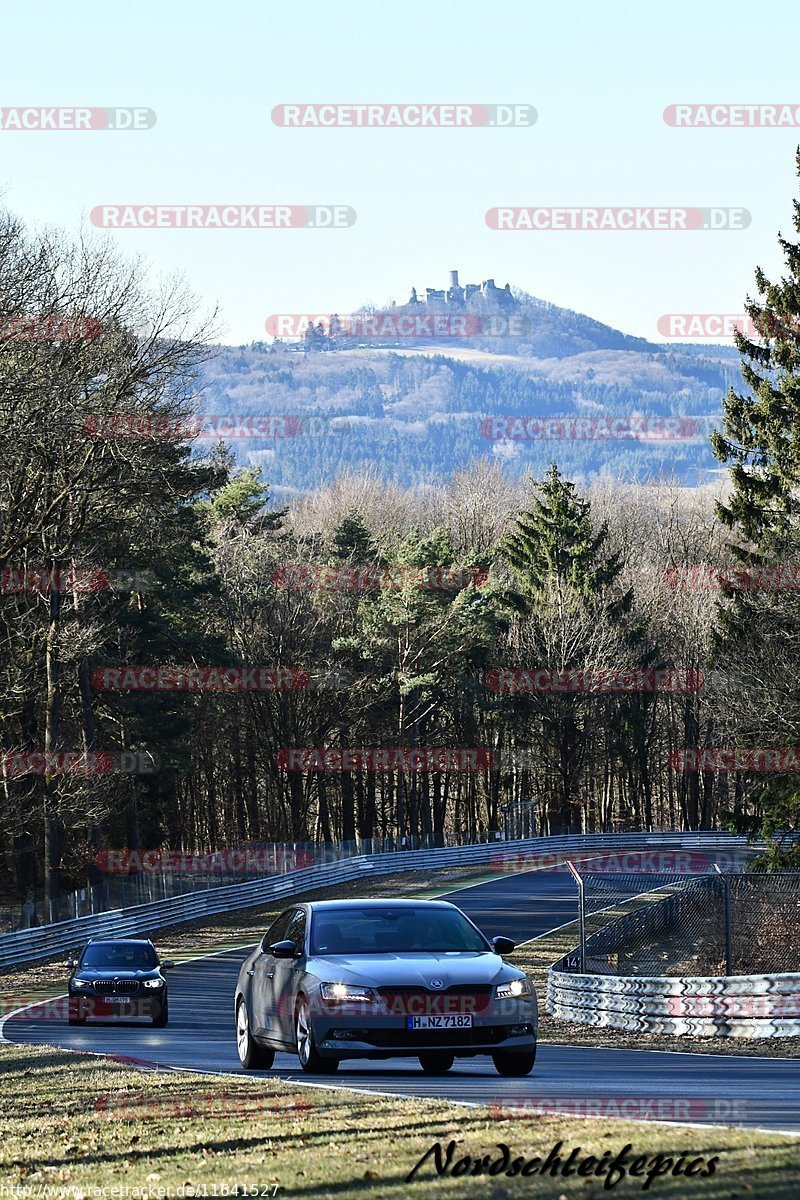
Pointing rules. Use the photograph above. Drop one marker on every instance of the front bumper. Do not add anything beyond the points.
(86, 1006)
(392, 1043)
(506, 1025)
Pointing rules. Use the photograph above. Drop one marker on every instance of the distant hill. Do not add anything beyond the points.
(419, 408)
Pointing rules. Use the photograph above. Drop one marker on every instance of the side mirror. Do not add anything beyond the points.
(71, 964)
(284, 949)
(503, 945)
(166, 964)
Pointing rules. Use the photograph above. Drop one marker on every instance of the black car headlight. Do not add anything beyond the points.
(515, 989)
(347, 993)
(81, 983)
(154, 983)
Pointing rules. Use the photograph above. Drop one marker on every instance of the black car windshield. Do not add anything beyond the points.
(119, 956)
(393, 931)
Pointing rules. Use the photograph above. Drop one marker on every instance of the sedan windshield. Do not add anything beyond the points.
(393, 931)
(119, 957)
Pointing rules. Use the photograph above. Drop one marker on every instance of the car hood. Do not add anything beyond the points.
(415, 969)
(111, 973)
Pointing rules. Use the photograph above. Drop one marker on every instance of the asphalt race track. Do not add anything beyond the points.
(685, 1088)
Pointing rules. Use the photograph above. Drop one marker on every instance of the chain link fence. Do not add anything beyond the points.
(670, 924)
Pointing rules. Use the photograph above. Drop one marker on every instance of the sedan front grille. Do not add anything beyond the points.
(417, 1001)
(116, 987)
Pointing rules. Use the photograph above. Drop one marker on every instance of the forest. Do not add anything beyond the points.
(191, 660)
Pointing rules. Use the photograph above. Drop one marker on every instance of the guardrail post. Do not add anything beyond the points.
(726, 899)
(581, 917)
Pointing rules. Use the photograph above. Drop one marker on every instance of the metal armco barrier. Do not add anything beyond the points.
(34, 945)
(744, 1006)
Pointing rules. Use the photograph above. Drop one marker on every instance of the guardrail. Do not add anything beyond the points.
(745, 1006)
(34, 945)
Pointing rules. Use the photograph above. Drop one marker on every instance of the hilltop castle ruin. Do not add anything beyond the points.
(457, 296)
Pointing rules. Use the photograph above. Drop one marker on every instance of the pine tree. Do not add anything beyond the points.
(568, 620)
(352, 541)
(554, 543)
(760, 438)
(761, 430)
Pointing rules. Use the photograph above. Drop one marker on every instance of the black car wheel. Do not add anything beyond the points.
(436, 1062)
(163, 1017)
(310, 1059)
(252, 1056)
(514, 1062)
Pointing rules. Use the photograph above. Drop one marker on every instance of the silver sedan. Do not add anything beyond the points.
(379, 979)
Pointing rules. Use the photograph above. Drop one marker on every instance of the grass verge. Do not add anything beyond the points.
(82, 1123)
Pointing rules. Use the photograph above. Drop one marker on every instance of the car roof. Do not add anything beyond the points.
(119, 942)
(378, 902)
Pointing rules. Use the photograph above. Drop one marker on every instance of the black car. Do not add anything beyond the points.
(118, 978)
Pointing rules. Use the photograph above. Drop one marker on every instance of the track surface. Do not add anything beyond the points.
(686, 1088)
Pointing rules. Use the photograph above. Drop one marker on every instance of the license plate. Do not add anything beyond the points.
(457, 1021)
(116, 999)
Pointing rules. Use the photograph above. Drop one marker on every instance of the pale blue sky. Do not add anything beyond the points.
(599, 75)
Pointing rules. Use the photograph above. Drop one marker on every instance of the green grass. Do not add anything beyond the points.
(80, 1122)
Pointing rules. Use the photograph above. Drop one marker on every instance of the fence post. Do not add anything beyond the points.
(726, 897)
(581, 918)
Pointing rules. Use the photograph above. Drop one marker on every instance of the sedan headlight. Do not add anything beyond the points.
(81, 983)
(347, 992)
(154, 983)
(515, 989)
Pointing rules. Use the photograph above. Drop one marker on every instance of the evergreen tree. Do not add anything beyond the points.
(352, 541)
(554, 545)
(761, 430)
(760, 439)
(568, 620)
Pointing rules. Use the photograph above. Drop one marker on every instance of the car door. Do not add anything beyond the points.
(261, 979)
(287, 974)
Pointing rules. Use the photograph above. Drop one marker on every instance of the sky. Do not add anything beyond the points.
(599, 77)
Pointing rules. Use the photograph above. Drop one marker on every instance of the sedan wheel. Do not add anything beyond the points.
(436, 1062)
(310, 1059)
(252, 1056)
(514, 1062)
